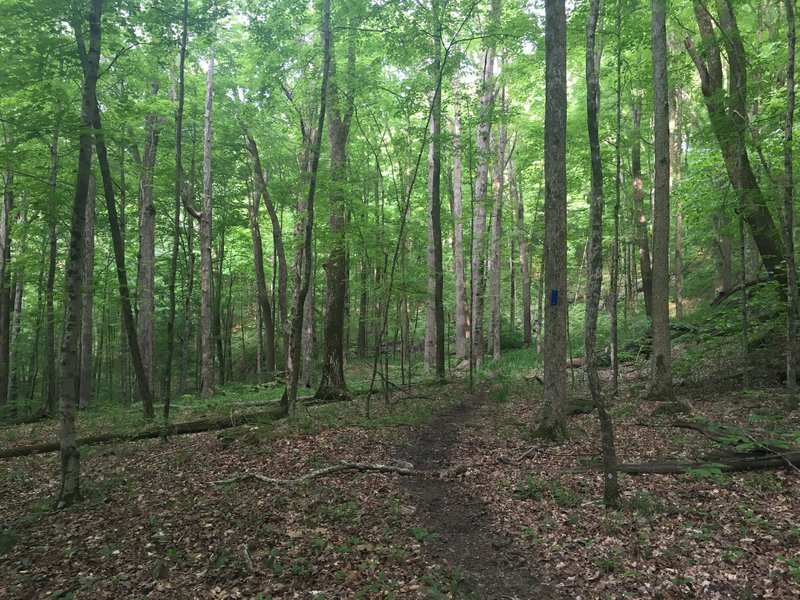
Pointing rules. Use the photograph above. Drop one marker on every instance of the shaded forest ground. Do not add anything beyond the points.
(154, 524)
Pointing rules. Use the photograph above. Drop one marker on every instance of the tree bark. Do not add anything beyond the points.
(481, 201)
(461, 308)
(176, 216)
(332, 385)
(495, 264)
(594, 279)
(676, 149)
(788, 204)
(727, 111)
(661, 361)
(50, 367)
(553, 424)
(87, 320)
(645, 264)
(5, 283)
(69, 492)
(258, 258)
(145, 280)
(524, 261)
(303, 265)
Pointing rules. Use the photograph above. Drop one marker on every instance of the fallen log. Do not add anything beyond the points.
(726, 464)
(725, 294)
(210, 424)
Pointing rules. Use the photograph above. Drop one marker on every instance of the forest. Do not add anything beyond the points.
(398, 299)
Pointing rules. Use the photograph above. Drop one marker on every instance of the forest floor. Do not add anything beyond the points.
(473, 524)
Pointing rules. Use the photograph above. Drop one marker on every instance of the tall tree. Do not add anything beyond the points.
(645, 263)
(340, 108)
(788, 203)
(302, 274)
(145, 280)
(522, 245)
(87, 319)
(457, 209)
(482, 198)
(554, 420)
(594, 251)
(90, 59)
(727, 111)
(661, 361)
(6, 207)
(495, 254)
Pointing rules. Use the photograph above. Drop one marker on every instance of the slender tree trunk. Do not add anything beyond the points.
(302, 275)
(6, 298)
(724, 262)
(522, 244)
(554, 423)
(206, 268)
(788, 203)
(461, 306)
(145, 280)
(216, 305)
(676, 149)
(363, 303)
(258, 259)
(434, 183)
(638, 207)
(615, 250)
(176, 216)
(495, 263)
(70, 456)
(661, 361)
(87, 320)
(481, 201)
(594, 279)
(50, 370)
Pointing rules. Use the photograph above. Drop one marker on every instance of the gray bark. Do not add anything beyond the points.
(87, 321)
(495, 262)
(461, 307)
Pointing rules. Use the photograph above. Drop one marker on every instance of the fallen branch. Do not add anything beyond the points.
(516, 459)
(398, 467)
(724, 295)
(211, 424)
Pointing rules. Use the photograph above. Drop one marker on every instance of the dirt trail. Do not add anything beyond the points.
(466, 540)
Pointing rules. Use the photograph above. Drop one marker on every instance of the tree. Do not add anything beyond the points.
(554, 420)
(87, 319)
(461, 306)
(594, 280)
(727, 111)
(69, 492)
(788, 203)
(661, 361)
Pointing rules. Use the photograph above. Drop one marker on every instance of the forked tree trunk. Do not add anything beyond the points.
(303, 266)
(332, 385)
(727, 111)
(554, 416)
(265, 309)
(661, 361)
(87, 321)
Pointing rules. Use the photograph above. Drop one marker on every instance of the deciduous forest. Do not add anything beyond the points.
(398, 299)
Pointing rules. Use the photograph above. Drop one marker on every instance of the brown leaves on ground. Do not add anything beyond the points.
(152, 524)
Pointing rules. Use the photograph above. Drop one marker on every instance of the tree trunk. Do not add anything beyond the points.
(495, 264)
(594, 279)
(5, 283)
(87, 320)
(461, 308)
(145, 280)
(176, 216)
(50, 369)
(645, 264)
(522, 244)
(206, 268)
(614, 304)
(676, 149)
(661, 361)
(478, 284)
(70, 457)
(258, 258)
(554, 423)
(302, 276)
(332, 385)
(788, 203)
(724, 262)
(727, 111)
